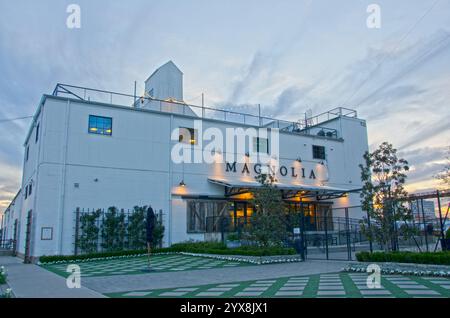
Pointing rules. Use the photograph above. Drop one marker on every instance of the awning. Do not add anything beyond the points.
(233, 187)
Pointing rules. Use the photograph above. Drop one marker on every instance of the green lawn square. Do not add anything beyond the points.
(135, 265)
(333, 285)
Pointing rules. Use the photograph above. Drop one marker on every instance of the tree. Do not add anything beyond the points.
(136, 228)
(383, 176)
(113, 230)
(268, 227)
(444, 175)
(89, 232)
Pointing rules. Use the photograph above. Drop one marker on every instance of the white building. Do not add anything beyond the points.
(423, 209)
(95, 149)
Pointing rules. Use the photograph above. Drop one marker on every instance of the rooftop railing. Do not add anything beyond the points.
(307, 126)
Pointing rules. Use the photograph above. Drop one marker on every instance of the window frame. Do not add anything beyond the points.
(322, 151)
(96, 125)
(192, 131)
(258, 139)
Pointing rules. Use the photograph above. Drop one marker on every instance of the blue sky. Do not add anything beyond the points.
(288, 56)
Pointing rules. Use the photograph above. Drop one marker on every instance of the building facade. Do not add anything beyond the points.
(96, 149)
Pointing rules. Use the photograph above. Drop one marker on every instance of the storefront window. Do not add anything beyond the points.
(203, 216)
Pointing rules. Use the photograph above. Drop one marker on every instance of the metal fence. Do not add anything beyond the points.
(337, 233)
(129, 234)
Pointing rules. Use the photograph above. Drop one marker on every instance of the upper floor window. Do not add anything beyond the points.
(318, 152)
(37, 133)
(261, 145)
(188, 135)
(100, 125)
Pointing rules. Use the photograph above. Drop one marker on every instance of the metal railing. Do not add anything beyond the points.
(307, 126)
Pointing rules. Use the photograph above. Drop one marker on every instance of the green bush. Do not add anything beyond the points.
(187, 247)
(438, 258)
(2, 279)
(447, 234)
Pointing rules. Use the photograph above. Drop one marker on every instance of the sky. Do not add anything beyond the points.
(288, 56)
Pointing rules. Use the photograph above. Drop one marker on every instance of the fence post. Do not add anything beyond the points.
(77, 228)
(347, 234)
(326, 232)
(370, 231)
(440, 214)
(425, 230)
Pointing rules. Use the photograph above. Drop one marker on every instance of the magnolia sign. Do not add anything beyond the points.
(294, 172)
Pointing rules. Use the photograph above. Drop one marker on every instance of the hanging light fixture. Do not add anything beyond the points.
(182, 184)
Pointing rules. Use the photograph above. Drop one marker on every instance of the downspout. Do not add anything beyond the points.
(170, 183)
(63, 180)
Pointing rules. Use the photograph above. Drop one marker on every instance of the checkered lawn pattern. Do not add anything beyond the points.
(341, 285)
(135, 265)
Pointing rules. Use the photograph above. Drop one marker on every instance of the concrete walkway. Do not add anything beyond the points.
(32, 281)
(122, 283)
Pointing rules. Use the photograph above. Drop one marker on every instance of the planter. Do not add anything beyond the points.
(233, 244)
(445, 244)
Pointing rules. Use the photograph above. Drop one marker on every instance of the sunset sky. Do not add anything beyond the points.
(288, 56)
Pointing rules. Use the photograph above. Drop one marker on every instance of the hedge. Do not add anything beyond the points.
(194, 247)
(2, 279)
(437, 258)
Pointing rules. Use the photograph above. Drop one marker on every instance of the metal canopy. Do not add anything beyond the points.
(289, 190)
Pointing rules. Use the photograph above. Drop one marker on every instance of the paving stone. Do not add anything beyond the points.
(292, 288)
(265, 281)
(421, 292)
(172, 294)
(412, 286)
(375, 292)
(219, 289)
(330, 293)
(252, 289)
(248, 294)
(183, 289)
(136, 294)
(209, 294)
(228, 285)
(289, 293)
(321, 287)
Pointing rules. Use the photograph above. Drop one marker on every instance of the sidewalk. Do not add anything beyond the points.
(32, 281)
(121, 283)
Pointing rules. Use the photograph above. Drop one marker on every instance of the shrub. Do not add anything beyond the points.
(438, 258)
(447, 234)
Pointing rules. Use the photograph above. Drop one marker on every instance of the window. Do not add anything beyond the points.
(188, 135)
(261, 145)
(27, 153)
(318, 152)
(26, 192)
(37, 133)
(100, 125)
(203, 216)
(30, 188)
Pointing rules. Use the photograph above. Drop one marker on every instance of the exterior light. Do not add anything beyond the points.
(322, 163)
(247, 154)
(182, 184)
(299, 159)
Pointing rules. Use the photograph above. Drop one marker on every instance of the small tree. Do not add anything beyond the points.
(113, 230)
(268, 227)
(444, 174)
(89, 232)
(383, 177)
(136, 228)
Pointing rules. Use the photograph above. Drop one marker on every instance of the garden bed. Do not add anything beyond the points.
(251, 254)
(402, 269)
